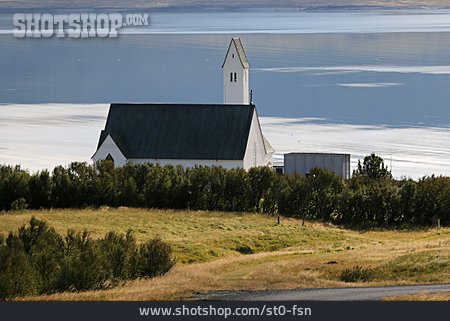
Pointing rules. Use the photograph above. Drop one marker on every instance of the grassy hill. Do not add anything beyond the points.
(232, 251)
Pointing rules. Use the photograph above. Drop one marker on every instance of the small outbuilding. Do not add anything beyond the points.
(303, 163)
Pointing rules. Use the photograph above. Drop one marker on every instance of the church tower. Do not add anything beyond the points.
(235, 74)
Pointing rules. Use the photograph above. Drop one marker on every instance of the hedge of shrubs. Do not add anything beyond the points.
(37, 260)
(371, 196)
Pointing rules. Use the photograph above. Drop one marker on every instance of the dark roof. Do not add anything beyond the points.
(179, 131)
(240, 51)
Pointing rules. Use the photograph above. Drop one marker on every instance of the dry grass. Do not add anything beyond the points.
(425, 296)
(286, 257)
(197, 236)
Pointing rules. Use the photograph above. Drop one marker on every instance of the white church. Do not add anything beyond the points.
(227, 135)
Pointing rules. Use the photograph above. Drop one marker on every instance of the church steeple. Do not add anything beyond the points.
(235, 74)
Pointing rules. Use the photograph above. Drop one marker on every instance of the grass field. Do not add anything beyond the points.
(208, 247)
(441, 296)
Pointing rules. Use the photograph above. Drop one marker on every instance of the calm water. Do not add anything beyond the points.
(341, 82)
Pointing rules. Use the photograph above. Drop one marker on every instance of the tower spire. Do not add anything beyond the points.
(236, 74)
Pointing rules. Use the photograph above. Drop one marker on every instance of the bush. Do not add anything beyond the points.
(119, 253)
(17, 277)
(244, 249)
(44, 248)
(37, 260)
(154, 258)
(81, 267)
(356, 274)
(19, 204)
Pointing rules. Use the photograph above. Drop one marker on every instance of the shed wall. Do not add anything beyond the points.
(303, 163)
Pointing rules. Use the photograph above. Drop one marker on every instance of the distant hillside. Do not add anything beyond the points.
(220, 5)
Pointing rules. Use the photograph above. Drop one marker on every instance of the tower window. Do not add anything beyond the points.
(231, 76)
(235, 77)
(232, 56)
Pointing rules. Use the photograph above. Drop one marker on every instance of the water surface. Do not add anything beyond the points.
(356, 82)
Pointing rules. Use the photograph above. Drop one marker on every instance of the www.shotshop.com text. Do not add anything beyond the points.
(225, 312)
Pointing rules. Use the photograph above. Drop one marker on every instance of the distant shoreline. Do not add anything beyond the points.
(6, 7)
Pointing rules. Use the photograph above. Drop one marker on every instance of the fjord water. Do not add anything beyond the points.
(350, 82)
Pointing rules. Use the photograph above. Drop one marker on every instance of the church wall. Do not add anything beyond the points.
(255, 153)
(228, 164)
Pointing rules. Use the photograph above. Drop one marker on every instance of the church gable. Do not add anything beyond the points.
(258, 153)
(109, 149)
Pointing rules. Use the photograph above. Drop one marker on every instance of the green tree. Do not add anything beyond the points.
(432, 198)
(407, 205)
(323, 188)
(261, 180)
(105, 183)
(40, 190)
(236, 189)
(293, 196)
(373, 167)
(81, 177)
(200, 187)
(61, 192)
(14, 187)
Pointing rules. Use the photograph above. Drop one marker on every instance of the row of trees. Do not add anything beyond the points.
(37, 260)
(371, 196)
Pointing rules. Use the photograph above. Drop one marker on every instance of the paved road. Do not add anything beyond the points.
(337, 294)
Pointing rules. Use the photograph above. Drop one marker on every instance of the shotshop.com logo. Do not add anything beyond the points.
(74, 25)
